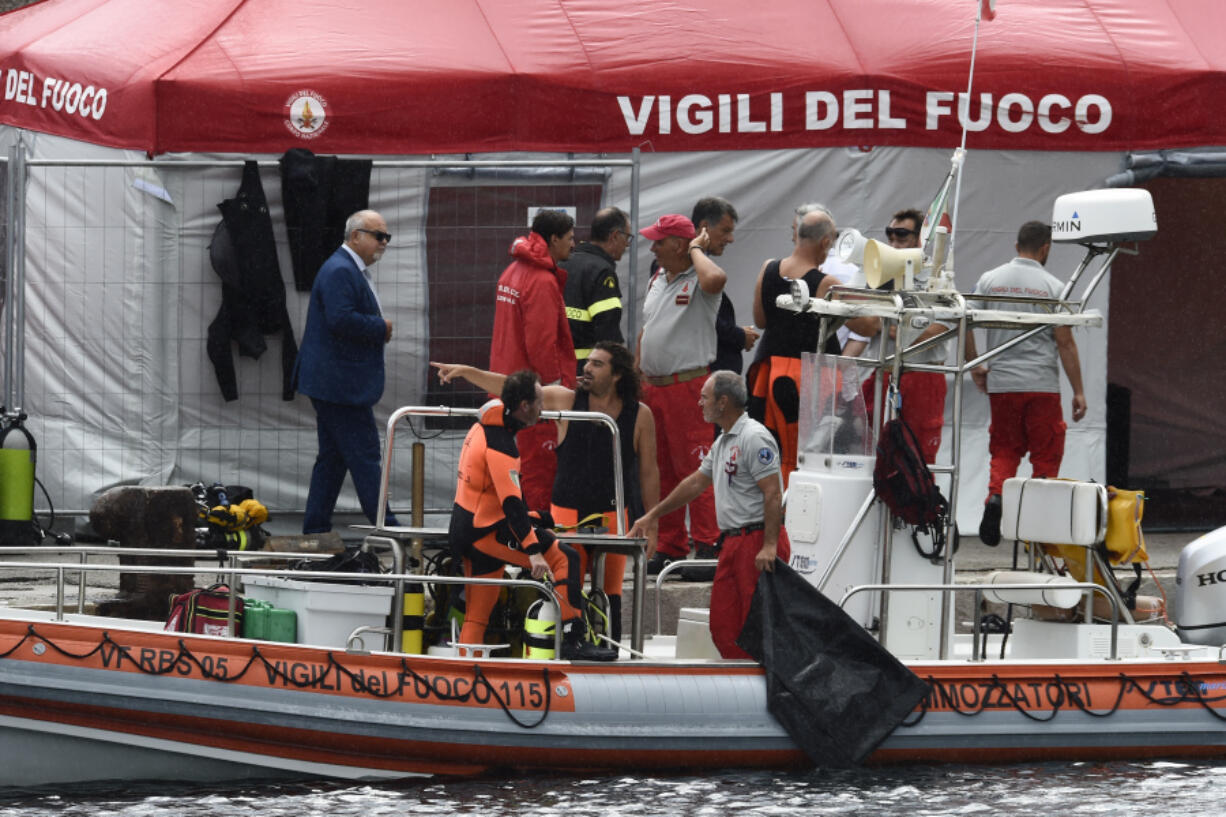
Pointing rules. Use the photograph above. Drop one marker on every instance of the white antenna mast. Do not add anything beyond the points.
(990, 7)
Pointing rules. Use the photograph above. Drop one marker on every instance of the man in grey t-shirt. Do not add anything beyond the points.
(1023, 383)
(743, 467)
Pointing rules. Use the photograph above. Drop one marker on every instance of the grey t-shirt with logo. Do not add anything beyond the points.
(739, 458)
(678, 325)
(1034, 364)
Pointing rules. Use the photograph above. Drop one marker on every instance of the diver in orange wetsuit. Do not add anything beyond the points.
(490, 526)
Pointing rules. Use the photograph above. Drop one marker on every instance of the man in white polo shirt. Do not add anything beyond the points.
(675, 350)
(743, 468)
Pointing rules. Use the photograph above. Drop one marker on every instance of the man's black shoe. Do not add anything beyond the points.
(658, 562)
(989, 526)
(577, 649)
(700, 573)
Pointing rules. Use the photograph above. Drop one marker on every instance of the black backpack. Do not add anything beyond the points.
(904, 483)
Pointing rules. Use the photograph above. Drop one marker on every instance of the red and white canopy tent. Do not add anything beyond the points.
(404, 77)
(854, 102)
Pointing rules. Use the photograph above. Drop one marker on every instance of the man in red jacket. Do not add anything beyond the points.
(531, 332)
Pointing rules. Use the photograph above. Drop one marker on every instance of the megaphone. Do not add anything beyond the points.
(850, 246)
(884, 263)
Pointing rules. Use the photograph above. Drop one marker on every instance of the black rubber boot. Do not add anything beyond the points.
(576, 647)
(989, 526)
(615, 618)
(700, 574)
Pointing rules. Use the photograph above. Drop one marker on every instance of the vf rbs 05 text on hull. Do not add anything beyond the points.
(863, 109)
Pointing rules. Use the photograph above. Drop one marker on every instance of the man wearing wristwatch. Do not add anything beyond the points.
(675, 349)
(719, 218)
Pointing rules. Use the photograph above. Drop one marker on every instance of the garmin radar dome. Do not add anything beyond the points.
(1104, 217)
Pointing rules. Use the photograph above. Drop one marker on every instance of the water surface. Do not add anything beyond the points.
(1166, 788)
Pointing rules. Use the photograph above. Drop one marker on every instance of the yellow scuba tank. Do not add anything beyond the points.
(17, 456)
(540, 624)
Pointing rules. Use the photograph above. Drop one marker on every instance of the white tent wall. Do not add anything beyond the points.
(120, 294)
(102, 297)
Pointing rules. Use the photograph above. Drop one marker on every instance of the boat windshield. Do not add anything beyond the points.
(833, 420)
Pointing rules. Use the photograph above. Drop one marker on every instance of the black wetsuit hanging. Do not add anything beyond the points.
(243, 253)
(318, 194)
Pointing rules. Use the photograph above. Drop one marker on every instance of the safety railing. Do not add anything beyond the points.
(672, 566)
(399, 414)
(231, 557)
(231, 573)
(393, 537)
(948, 590)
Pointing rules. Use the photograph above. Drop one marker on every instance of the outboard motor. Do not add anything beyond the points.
(1200, 601)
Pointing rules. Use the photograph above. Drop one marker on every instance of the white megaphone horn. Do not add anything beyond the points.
(850, 246)
(884, 263)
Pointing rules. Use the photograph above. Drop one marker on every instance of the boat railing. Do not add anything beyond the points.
(232, 572)
(393, 422)
(961, 314)
(83, 552)
(671, 567)
(394, 537)
(948, 590)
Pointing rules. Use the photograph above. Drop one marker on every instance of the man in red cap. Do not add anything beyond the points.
(675, 350)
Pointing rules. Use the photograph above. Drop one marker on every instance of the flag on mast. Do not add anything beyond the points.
(938, 211)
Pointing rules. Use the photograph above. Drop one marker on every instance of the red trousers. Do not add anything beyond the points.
(736, 578)
(614, 563)
(682, 440)
(923, 407)
(538, 463)
(479, 599)
(1022, 422)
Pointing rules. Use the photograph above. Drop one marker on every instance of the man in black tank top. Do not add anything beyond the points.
(584, 483)
(774, 379)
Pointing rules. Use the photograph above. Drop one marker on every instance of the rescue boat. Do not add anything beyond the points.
(89, 698)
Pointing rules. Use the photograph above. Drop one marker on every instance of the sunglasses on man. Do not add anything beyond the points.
(899, 233)
(378, 235)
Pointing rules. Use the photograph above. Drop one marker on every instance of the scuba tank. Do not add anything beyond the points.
(17, 456)
(539, 624)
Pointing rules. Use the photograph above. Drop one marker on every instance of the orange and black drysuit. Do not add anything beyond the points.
(774, 377)
(490, 526)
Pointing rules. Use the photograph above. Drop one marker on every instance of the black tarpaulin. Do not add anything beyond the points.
(835, 690)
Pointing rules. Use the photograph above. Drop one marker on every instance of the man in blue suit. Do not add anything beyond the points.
(340, 367)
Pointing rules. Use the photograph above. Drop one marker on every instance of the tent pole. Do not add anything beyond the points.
(14, 254)
(9, 227)
(18, 275)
